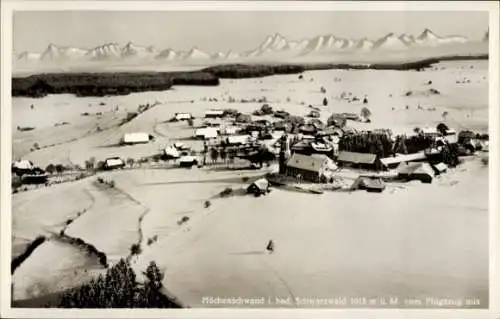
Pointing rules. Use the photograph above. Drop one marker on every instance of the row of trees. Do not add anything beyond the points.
(227, 154)
(118, 288)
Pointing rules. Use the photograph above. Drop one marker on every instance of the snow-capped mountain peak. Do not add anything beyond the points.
(196, 54)
(105, 52)
(427, 35)
(167, 54)
(389, 42)
(55, 53)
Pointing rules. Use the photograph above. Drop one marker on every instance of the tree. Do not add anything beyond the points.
(135, 249)
(59, 168)
(100, 165)
(90, 163)
(323, 90)
(190, 122)
(118, 288)
(214, 154)
(130, 162)
(365, 112)
(325, 101)
(266, 109)
(442, 128)
(416, 129)
(223, 154)
(50, 168)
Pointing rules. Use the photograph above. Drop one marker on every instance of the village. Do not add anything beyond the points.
(309, 154)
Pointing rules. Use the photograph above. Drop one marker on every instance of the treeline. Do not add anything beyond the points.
(118, 288)
(238, 71)
(102, 84)
(122, 83)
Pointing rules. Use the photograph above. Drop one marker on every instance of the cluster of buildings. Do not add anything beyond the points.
(317, 160)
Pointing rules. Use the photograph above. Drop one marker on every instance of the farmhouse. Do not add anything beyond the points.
(416, 171)
(359, 160)
(260, 186)
(113, 163)
(310, 168)
(22, 167)
(35, 176)
(430, 132)
(188, 161)
(171, 152)
(214, 114)
(206, 133)
(136, 138)
(229, 130)
(183, 116)
(238, 139)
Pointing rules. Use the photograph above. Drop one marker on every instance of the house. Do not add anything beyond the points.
(136, 138)
(22, 167)
(451, 138)
(171, 152)
(440, 168)
(181, 146)
(332, 131)
(35, 176)
(393, 161)
(238, 139)
(430, 132)
(350, 116)
(369, 184)
(183, 116)
(359, 160)
(307, 129)
(113, 163)
(349, 130)
(310, 168)
(188, 161)
(415, 171)
(214, 114)
(206, 133)
(282, 126)
(243, 118)
(260, 186)
(229, 130)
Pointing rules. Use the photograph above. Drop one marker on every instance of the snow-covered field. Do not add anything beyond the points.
(413, 240)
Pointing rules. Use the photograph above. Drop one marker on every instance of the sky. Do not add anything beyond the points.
(215, 31)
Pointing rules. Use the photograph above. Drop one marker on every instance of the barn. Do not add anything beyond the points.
(113, 163)
(359, 160)
(183, 116)
(214, 114)
(136, 138)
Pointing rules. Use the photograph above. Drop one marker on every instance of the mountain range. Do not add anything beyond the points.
(274, 46)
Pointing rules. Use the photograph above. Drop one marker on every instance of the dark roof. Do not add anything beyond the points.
(356, 158)
(307, 163)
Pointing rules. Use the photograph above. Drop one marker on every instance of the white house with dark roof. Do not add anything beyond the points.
(310, 168)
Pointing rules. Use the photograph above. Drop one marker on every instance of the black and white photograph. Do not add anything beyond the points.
(246, 158)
